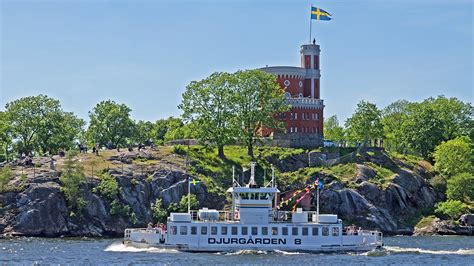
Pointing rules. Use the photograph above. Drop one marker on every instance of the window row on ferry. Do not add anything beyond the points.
(254, 231)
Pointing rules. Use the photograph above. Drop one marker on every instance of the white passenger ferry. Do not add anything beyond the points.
(254, 223)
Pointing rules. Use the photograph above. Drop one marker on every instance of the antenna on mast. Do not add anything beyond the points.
(252, 182)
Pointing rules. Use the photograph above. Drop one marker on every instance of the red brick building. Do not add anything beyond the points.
(302, 86)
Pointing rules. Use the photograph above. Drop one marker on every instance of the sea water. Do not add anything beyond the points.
(405, 250)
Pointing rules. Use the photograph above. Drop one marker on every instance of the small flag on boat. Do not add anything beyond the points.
(194, 181)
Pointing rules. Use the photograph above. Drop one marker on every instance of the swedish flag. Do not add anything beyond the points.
(319, 14)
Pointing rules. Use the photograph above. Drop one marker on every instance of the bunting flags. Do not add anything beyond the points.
(296, 198)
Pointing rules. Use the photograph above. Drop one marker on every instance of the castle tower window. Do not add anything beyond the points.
(296, 130)
(287, 83)
(296, 116)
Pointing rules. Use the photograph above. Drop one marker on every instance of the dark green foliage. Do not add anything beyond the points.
(364, 125)
(72, 178)
(110, 121)
(159, 214)
(179, 149)
(451, 208)
(118, 209)
(461, 187)
(5, 177)
(108, 186)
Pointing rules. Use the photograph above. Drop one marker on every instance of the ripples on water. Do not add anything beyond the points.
(398, 250)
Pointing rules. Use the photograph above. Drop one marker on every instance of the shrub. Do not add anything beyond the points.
(439, 183)
(72, 178)
(461, 187)
(159, 214)
(451, 208)
(454, 156)
(179, 149)
(425, 221)
(108, 186)
(118, 209)
(5, 177)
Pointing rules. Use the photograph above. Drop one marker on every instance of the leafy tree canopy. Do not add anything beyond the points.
(454, 157)
(365, 123)
(461, 187)
(332, 130)
(110, 121)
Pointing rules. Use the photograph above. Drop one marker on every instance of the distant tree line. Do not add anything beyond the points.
(39, 125)
(219, 110)
(405, 127)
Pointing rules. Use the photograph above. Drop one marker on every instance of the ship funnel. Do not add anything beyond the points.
(252, 182)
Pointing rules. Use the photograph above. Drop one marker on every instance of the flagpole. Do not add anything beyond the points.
(317, 205)
(189, 184)
(310, 23)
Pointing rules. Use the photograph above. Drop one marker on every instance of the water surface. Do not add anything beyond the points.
(435, 250)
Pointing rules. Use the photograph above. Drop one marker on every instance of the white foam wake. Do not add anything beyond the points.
(119, 247)
(427, 251)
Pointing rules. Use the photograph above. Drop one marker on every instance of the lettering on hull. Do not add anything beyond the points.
(247, 241)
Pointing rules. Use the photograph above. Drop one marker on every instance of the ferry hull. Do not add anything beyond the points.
(222, 248)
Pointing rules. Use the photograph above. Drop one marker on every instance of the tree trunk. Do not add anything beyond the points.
(220, 152)
(250, 149)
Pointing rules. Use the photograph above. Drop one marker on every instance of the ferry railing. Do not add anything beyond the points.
(286, 216)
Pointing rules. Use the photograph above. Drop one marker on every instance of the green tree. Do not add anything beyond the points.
(452, 208)
(332, 130)
(183, 203)
(364, 125)
(5, 136)
(461, 187)
(179, 130)
(39, 123)
(392, 117)
(433, 121)
(61, 131)
(208, 104)
(5, 177)
(257, 98)
(159, 214)
(72, 179)
(110, 121)
(454, 156)
(143, 131)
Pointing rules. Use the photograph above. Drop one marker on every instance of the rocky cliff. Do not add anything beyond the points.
(37, 207)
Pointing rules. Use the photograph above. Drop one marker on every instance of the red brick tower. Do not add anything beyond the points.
(304, 122)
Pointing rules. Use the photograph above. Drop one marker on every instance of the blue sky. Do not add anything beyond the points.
(144, 53)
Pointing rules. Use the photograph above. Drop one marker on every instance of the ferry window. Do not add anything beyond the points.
(274, 231)
(284, 231)
(253, 196)
(234, 230)
(244, 230)
(305, 231)
(193, 230)
(294, 231)
(244, 196)
(335, 231)
(183, 230)
(213, 230)
(263, 196)
(173, 230)
(264, 231)
(224, 230)
(254, 231)
(325, 231)
(203, 230)
(315, 231)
